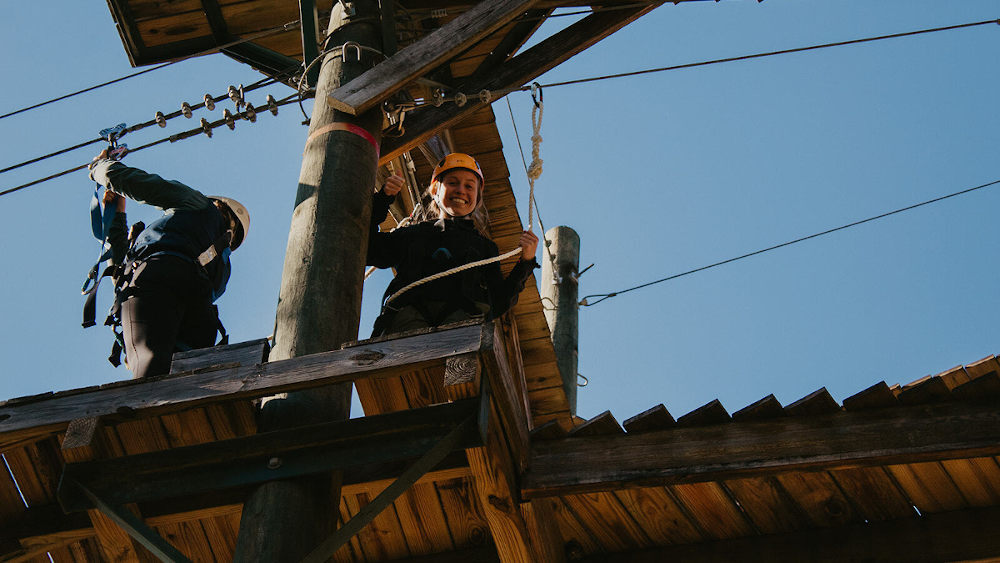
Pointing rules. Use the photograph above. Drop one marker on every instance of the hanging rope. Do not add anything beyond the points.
(534, 171)
(535, 168)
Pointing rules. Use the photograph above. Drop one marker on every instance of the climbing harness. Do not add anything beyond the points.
(100, 223)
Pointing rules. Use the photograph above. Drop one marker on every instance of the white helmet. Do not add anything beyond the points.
(242, 219)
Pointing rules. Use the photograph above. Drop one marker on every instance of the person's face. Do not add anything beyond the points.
(457, 192)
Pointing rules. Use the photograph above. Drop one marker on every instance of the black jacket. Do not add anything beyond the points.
(430, 247)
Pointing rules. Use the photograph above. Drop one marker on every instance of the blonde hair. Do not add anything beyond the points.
(480, 216)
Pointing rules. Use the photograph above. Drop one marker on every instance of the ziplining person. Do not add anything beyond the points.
(448, 240)
(174, 270)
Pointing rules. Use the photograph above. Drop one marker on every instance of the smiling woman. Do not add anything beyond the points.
(447, 241)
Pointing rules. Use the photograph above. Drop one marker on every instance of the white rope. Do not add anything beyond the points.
(454, 270)
(534, 171)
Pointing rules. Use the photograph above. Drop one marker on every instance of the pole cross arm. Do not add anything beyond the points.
(520, 70)
(419, 58)
(366, 443)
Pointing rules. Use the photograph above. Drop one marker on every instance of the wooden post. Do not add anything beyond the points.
(319, 305)
(560, 294)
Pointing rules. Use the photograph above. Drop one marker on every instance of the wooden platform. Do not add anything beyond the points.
(814, 480)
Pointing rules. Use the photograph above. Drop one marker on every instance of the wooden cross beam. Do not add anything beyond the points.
(419, 58)
(282, 454)
(757, 449)
(23, 419)
(516, 72)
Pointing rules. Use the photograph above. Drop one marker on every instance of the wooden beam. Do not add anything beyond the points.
(21, 419)
(968, 535)
(761, 448)
(520, 70)
(434, 455)
(521, 534)
(84, 441)
(138, 530)
(419, 58)
(280, 454)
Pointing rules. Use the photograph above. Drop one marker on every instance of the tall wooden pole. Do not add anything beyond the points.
(559, 294)
(319, 305)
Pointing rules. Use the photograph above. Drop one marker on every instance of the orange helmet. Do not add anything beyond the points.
(459, 160)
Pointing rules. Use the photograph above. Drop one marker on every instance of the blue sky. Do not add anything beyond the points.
(659, 174)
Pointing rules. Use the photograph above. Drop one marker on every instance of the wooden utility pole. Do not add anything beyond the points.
(319, 304)
(559, 294)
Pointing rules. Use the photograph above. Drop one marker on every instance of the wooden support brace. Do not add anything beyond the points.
(84, 441)
(283, 454)
(417, 59)
(137, 529)
(329, 546)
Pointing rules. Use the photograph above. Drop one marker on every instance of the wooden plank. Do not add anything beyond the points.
(717, 515)
(418, 58)
(950, 536)
(610, 524)
(650, 420)
(978, 479)
(156, 395)
(875, 397)
(817, 403)
(243, 353)
(931, 390)
(928, 486)
(85, 440)
(874, 493)
(242, 461)
(577, 539)
(984, 388)
(819, 498)
(757, 449)
(460, 503)
(603, 424)
(709, 413)
(768, 407)
(551, 430)
(982, 367)
(659, 515)
(519, 70)
(766, 503)
(423, 521)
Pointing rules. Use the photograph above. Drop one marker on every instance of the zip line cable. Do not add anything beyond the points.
(485, 95)
(286, 27)
(205, 128)
(139, 126)
(603, 296)
(770, 53)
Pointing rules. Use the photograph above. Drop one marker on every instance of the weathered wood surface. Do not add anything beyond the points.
(21, 419)
(247, 353)
(840, 441)
(520, 70)
(951, 536)
(240, 461)
(416, 59)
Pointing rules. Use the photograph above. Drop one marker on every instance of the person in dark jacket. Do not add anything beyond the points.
(175, 268)
(446, 241)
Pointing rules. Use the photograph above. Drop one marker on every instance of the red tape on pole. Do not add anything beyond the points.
(350, 128)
